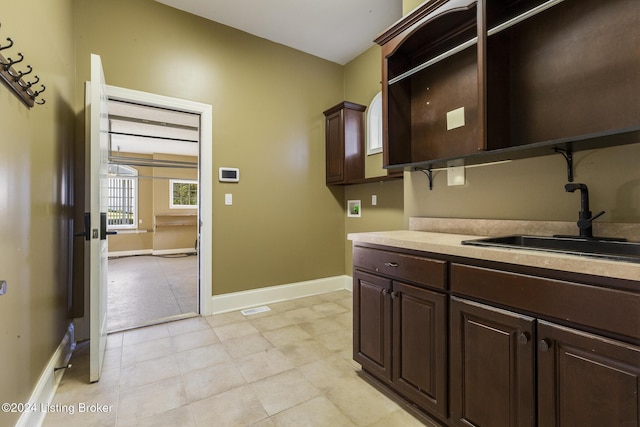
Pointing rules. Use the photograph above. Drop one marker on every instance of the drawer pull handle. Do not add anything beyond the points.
(391, 264)
(545, 345)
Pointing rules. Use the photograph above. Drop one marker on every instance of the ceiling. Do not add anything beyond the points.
(335, 30)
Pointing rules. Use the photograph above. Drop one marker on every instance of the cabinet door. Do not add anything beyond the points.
(419, 346)
(586, 380)
(492, 366)
(372, 323)
(335, 148)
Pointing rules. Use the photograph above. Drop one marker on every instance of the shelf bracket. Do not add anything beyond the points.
(568, 156)
(429, 174)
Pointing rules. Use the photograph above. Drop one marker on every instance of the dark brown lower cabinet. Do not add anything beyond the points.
(400, 337)
(586, 380)
(492, 366)
(419, 346)
(372, 323)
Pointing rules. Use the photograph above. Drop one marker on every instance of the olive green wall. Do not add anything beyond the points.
(285, 224)
(533, 189)
(362, 82)
(36, 151)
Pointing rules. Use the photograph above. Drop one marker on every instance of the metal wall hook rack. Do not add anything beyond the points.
(14, 79)
(568, 156)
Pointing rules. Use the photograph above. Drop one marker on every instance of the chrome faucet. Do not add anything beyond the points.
(584, 216)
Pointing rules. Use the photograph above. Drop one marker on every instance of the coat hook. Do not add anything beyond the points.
(8, 46)
(28, 85)
(12, 62)
(41, 102)
(38, 92)
(18, 76)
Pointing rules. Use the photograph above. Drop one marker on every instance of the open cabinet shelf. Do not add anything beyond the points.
(494, 80)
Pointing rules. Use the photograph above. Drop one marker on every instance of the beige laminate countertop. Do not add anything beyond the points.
(449, 244)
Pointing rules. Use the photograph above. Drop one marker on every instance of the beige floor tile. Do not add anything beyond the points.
(150, 333)
(328, 373)
(362, 403)
(302, 315)
(318, 411)
(225, 319)
(180, 416)
(236, 407)
(283, 391)
(329, 309)
(264, 364)
(235, 330)
(286, 336)
(304, 352)
(321, 326)
(206, 382)
(291, 366)
(194, 339)
(336, 340)
(148, 371)
(247, 345)
(151, 399)
(401, 418)
(137, 353)
(269, 323)
(201, 357)
(188, 325)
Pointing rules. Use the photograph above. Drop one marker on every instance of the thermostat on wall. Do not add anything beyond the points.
(229, 175)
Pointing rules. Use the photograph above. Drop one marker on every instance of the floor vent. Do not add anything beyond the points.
(255, 310)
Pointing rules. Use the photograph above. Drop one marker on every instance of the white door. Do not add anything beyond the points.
(96, 199)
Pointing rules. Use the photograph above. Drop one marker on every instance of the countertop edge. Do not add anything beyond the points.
(450, 244)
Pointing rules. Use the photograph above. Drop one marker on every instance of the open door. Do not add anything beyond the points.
(96, 250)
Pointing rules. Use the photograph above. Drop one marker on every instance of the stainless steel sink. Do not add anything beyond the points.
(602, 248)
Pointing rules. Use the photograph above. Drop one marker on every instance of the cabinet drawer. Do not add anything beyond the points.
(425, 271)
(597, 307)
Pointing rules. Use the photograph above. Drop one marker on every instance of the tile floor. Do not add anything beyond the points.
(144, 289)
(290, 366)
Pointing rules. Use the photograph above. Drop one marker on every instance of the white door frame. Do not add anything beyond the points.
(205, 209)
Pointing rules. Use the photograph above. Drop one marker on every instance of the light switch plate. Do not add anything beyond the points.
(3, 287)
(374, 200)
(228, 199)
(455, 118)
(455, 175)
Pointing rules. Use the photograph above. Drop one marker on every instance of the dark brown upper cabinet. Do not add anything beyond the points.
(490, 80)
(345, 143)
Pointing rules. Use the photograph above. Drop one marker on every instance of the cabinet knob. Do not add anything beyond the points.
(391, 264)
(385, 292)
(523, 338)
(545, 345)
(394, 294)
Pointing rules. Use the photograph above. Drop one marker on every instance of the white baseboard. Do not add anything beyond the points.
(272, 294)
(47, 385)
(117, 254)
(174, 251)
(136, 252)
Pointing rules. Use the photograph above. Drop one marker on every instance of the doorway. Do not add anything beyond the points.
(160, 205)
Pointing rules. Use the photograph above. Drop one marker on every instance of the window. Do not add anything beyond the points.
(183, 194)
(123, 197)
(374, 125)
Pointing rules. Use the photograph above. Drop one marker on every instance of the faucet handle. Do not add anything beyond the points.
(585, 223)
